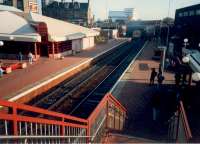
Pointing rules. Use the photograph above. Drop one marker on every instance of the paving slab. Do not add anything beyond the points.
(23, 79)
(134, 92)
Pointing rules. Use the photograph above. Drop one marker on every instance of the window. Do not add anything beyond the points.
(180, 14)
(185, 13)
(198, 12)
(191, 13)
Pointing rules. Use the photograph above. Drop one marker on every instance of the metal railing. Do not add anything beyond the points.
(179, 129)
(19, 124)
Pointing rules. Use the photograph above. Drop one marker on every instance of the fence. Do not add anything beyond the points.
(26, 124)
(179, 130)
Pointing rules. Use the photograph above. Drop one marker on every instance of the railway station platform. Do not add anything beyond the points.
(23, 83)
(134, 92)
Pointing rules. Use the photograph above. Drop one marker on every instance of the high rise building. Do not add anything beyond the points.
(26, 5)
(125, 15)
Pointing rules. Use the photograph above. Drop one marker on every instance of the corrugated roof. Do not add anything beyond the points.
(16, 28)
(60, 30)
(9, 8)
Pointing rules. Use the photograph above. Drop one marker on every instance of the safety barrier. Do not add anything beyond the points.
(23, 124)
(179, 130)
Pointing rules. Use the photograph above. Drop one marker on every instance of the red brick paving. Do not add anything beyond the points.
(134, 92)
(23, 78)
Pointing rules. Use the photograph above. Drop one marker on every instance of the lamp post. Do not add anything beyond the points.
(167, 40)
(186, 59)
(186, 42)
(196, 76)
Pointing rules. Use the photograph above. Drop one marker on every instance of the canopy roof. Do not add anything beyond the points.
(60, 30)
(16, 28)
(195, 61)
(9, 8)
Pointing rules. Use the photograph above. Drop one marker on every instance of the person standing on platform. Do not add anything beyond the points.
(1, 71)
(160, 78)
(30, 57)
(20, 56)
(153, 75)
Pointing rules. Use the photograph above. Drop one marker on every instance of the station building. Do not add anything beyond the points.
(187, 22)
(41, 35)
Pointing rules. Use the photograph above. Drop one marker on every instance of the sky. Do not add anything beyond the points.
(145, 9)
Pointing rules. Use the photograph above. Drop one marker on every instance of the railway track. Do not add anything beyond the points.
(85, 106)
(70, 90)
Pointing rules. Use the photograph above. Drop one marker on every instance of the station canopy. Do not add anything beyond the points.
(10, 8)
(59, 30)
(15, 28)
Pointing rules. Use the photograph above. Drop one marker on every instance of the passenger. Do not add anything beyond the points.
(160, 78)
(1, 71)
(20, 56)
(153, 75)
(30, 57)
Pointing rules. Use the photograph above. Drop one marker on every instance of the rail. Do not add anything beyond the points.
(179, 129)
(55, 127)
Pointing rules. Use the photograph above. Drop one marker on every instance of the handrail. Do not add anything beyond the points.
(39, 110)
(39, 120)
(91, 126)
(185, 122)
(112, 98)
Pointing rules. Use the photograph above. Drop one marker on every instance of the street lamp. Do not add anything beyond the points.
(186, 42)
(1, 43)
(196, 76)
(186, 59)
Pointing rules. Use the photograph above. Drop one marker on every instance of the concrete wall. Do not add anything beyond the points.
(88, 42)
(77, 45)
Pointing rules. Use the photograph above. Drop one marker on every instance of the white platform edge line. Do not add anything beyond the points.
(60, 75)
(120, 79)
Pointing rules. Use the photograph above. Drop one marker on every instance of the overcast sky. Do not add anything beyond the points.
(145, 9)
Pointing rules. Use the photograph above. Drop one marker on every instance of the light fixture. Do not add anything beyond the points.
(186, 59)
(1, 43)
(11, 38)
(186, 40)
(196, 76)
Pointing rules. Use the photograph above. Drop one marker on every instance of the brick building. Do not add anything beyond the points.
(74, 12)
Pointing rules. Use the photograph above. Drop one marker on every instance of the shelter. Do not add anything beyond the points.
(18, 36)
(60, 37)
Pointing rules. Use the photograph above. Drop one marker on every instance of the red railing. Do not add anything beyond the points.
(21, 120)
(179, 129)
(184, 120)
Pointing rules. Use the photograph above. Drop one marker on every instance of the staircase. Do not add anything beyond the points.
(120, 138)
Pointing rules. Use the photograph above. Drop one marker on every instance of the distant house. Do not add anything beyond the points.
(74, 12)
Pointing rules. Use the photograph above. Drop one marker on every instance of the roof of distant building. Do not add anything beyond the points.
(9, 8)
(60, 30)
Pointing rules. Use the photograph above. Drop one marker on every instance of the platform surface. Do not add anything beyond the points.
(23, 79)
(134, 92)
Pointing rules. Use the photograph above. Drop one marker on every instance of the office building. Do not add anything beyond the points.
(25, 5)
(126, 15)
